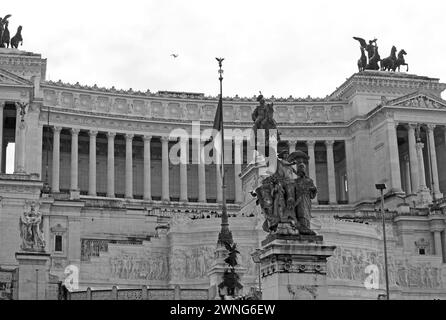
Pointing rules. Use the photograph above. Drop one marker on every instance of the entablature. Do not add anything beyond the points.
(185, 108)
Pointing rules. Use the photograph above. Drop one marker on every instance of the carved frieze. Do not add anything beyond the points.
(208, 112)
(191, 263)
(174, 111)
(419, 101)
(66, 100)
(144, 266)
(337, 113)
(318, 114)
(245, 113)
(157, 109)
(193, 111)
(300, 114)
(350, 264)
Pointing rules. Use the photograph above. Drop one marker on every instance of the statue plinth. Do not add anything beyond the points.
(294, 267)
(34, 270)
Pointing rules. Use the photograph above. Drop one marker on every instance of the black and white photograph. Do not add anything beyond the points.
(240, 152)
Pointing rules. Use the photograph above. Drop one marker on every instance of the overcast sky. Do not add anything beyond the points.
(283, 48)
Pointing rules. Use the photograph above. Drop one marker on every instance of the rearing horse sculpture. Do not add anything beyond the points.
(362, 62)
(389, 62)
(400, 61)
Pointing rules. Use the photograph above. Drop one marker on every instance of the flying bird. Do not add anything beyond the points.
(174, 55)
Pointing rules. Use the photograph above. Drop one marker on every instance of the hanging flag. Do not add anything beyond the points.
(217, 131)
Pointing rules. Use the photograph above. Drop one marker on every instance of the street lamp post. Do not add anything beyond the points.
(381, 187)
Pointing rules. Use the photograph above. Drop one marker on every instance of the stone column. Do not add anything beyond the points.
(92, 164)
(422, 176)
(2, 105)
(111, 164)
(201, 173)
(331, 172)
(395, 174)
(56, 159)
(433, 154)
(20, 144)
(74, 159)
(165, 168)
(184, 146)
(129, 166)
(413, 158)
(147, 169)
(312, 163)
(407, 174)
(17, 140)
(424, 197)
(350, 166)
(291, 146)
(437, 243)
(238, 159)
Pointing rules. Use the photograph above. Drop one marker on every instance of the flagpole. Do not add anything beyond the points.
(225, 236)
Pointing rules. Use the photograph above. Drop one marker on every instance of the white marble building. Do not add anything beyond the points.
(125, 215)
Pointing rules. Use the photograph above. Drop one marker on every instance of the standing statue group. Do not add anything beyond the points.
(285, 196)
(5, 39)
(370, 62)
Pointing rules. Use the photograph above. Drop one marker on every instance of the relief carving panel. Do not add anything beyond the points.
(350, 264)
(300, 114)
(157, 109)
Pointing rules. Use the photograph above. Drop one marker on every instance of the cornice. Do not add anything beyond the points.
(368, 80)
(173, 95)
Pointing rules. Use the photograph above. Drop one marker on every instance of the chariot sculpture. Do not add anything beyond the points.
(370, 62)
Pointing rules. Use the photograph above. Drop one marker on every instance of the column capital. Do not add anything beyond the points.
(431, 127)
(147, 138)
(329, 143)
(129, 136)
(311, 143)
(57, 129)
(2, 104)
(75, 131)
(412, 126)
(164, 139)
(111, 134)
(420, 145)
(93, 133)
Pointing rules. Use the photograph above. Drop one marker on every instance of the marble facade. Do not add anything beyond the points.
(122, 213)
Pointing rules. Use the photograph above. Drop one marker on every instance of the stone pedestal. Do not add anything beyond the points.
(217, 271)
(34, 268)
(294, 267)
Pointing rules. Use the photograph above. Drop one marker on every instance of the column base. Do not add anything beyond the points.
(34, 270)
(294, 267)
(438, 195)
(75, 194)
(424, 197)
(20, 171)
